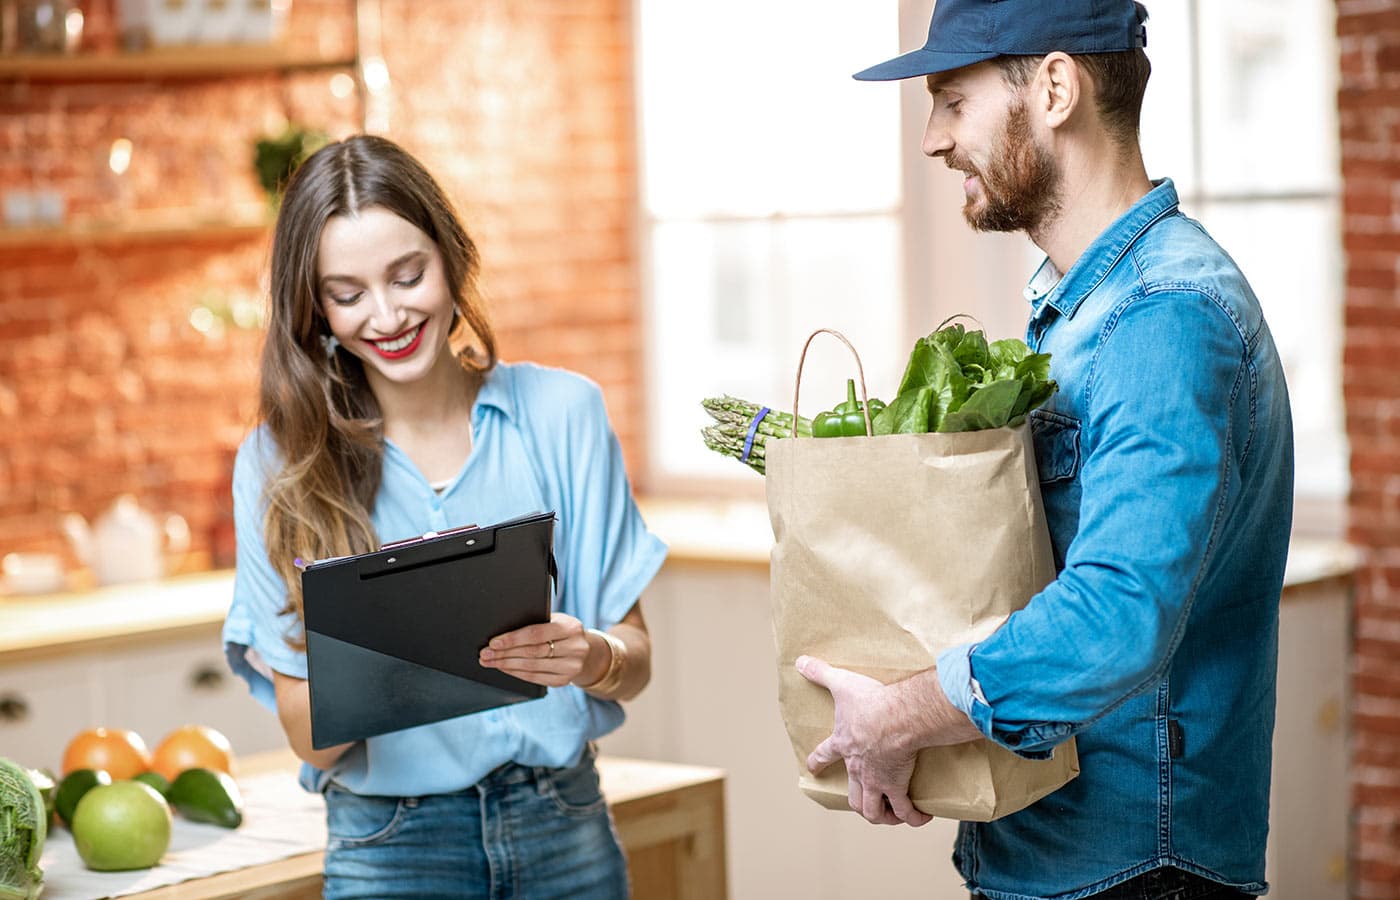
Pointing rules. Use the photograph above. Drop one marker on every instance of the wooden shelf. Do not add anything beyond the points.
(165, 63)
(150, 228)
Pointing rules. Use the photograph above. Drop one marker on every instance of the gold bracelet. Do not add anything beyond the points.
(617, 665)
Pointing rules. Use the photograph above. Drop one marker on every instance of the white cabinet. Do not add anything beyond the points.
(39, 704)
(1309, 806)
(147, 684)
(185, 682)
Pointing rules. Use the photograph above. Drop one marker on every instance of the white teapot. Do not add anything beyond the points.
(127, 543)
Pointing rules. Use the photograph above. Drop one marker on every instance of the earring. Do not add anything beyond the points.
(329, 343)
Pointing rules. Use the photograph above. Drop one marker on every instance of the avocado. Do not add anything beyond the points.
(205, 795)
(72, 788)
(155, 780)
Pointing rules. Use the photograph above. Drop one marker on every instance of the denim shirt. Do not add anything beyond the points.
(1166, 467)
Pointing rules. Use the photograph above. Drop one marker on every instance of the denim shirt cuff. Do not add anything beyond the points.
(963, 691)
(955, 676)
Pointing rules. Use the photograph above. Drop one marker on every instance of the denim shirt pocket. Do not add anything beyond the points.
(1056, 439)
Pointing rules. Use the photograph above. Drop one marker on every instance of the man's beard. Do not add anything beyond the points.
(1021, 184)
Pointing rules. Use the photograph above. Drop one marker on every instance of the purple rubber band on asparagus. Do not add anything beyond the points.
(753, 430)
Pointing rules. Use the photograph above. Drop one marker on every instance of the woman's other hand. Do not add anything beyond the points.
(552, 654)
(577, 655)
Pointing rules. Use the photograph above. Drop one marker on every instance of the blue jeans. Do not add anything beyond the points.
(520, 832)
(1167, 883)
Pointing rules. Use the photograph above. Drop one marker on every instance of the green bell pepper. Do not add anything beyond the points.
(847, 419)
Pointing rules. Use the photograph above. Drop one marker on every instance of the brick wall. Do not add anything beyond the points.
(524, 111)
(1369, 105)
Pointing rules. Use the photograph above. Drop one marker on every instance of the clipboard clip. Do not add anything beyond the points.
(427, 549)
(440, 546)
(429, 535)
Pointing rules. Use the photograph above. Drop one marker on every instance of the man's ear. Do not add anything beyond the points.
(1058, 88)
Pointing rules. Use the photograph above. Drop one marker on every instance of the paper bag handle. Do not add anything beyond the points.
(971, 318)
(860, 370)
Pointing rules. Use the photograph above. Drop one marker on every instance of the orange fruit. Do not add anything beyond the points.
(122, 754)
(192, 747)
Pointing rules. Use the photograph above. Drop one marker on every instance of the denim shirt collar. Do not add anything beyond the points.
(1066, 292)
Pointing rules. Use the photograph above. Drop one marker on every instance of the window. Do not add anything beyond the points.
(780, 196)
(771, 207)
(1241, 112)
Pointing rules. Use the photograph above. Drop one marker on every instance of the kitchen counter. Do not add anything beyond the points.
(725, 533)
(669, 817)
(51, 623)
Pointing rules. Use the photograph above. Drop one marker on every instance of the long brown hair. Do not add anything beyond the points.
(316, 402)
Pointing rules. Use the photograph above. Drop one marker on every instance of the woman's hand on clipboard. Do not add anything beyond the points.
(552, 654)
(562, 652)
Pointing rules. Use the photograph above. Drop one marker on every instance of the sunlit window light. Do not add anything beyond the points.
(342, 85)
(203, 320)
(246, 312)
(376, 75)
(120, 157)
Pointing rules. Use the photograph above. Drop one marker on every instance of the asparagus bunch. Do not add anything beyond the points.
(734, 418)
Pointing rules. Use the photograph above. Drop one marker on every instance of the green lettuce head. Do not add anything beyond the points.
(23, 828)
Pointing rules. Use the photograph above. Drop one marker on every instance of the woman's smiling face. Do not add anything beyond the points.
(381, 287)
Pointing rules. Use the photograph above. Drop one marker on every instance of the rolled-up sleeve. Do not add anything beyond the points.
(1158, 475)
(256, 629)
(609, 555)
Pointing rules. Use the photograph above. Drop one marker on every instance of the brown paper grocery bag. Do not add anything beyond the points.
(888, 550)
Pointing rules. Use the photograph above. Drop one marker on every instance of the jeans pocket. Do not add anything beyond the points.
(575, 791)
(355, 820)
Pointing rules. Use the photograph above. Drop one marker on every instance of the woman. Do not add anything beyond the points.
(385, 414)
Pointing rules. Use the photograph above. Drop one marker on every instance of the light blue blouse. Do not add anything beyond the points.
(541, 441)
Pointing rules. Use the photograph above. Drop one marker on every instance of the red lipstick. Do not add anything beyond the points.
(402, 351)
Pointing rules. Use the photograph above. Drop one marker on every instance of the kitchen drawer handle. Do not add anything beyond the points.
(206, 678)
(13, 708)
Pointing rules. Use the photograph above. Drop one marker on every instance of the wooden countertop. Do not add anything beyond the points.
(30, 625)
(716, 533)
(654, 805)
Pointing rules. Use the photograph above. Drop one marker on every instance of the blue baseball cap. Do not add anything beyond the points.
(964, 32)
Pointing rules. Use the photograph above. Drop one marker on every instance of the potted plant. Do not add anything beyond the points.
(276, 157)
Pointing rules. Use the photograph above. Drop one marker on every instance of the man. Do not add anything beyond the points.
(1166, 470)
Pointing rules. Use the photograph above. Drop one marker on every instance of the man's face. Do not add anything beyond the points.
(982, 128)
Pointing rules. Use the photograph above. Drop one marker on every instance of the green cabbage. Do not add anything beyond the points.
(23, 827)
(956, 381)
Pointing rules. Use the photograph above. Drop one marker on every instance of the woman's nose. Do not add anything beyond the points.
(385, 316)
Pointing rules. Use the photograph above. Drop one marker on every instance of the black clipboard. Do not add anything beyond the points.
(393, 636)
